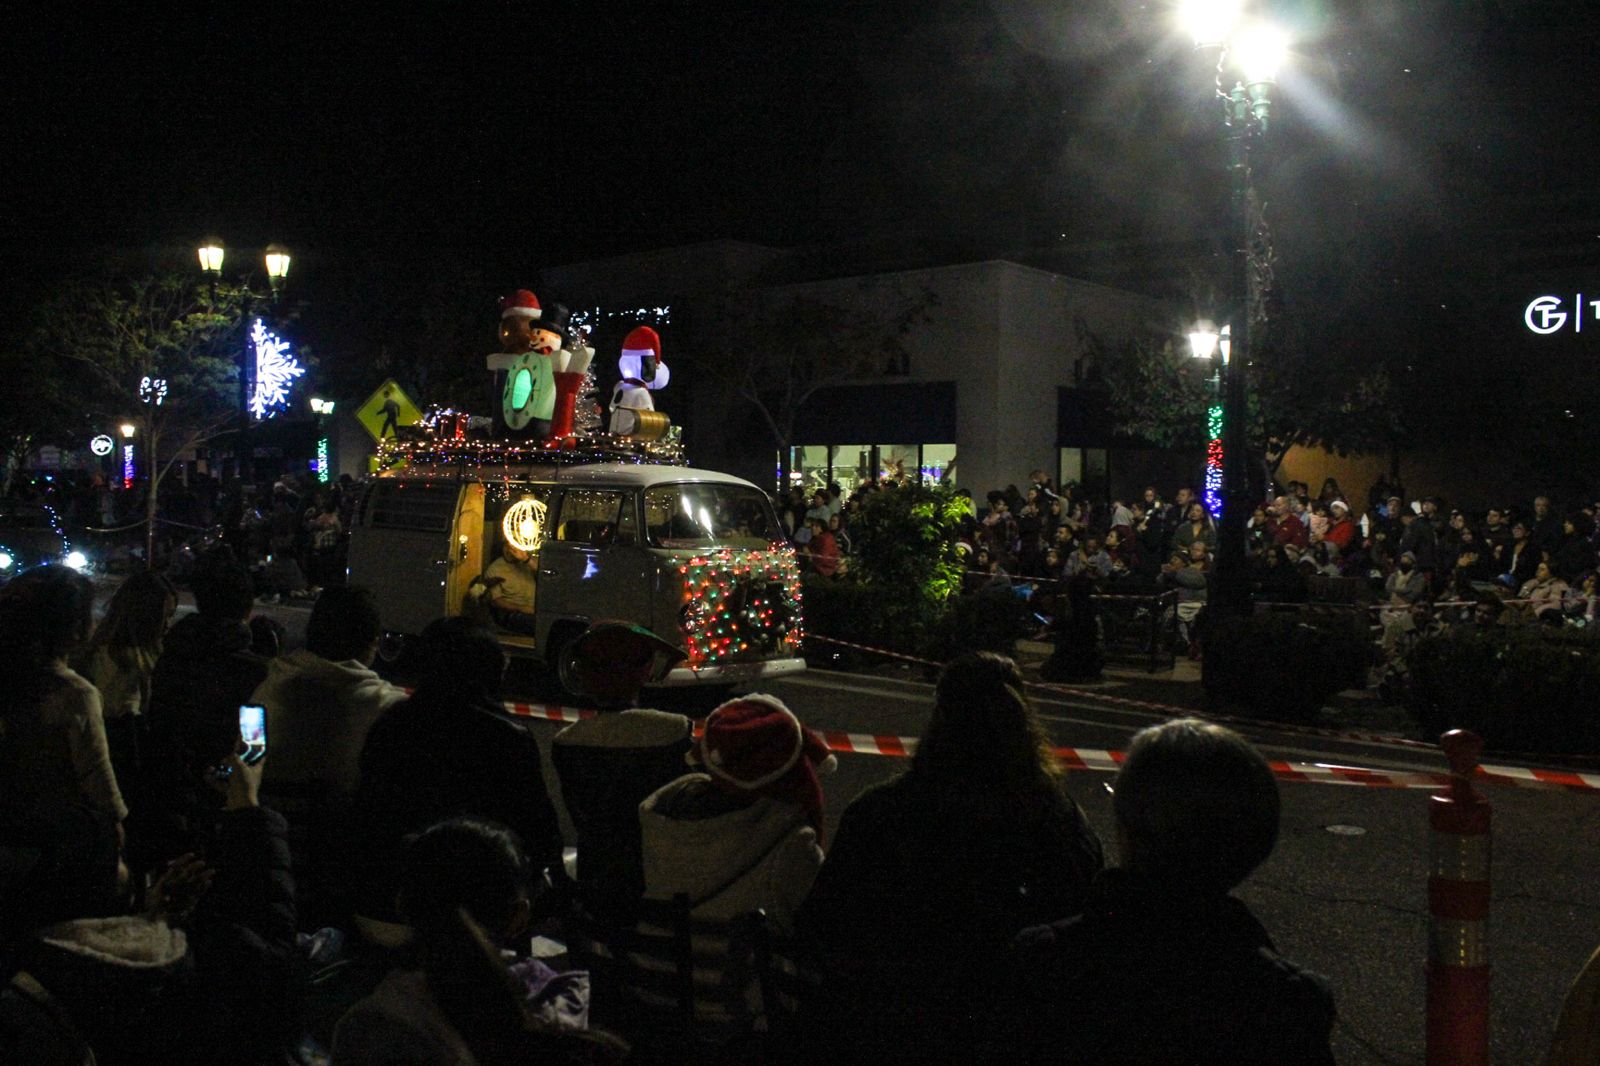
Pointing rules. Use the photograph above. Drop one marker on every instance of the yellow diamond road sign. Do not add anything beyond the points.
(386, 410)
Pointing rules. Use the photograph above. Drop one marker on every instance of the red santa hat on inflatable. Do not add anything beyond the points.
(520, 304)
(640, 342)
(755, 746)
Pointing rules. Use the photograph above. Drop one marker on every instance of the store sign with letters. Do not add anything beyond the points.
(1552, 314)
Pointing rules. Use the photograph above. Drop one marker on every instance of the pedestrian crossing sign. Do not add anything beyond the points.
(386, 410)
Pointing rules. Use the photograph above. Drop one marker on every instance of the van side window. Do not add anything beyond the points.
(410, 506)
(593, 517)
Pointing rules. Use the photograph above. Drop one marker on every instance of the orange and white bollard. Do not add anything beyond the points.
(1458, 909)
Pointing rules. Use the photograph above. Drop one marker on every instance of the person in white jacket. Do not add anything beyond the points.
(322, 699)
(746, 831)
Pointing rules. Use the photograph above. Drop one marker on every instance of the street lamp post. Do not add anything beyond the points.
(1253, 53)
(277, 260)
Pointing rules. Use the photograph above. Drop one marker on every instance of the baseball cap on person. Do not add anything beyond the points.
(755, 746)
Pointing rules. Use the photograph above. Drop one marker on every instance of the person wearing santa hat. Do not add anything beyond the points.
(744, 831)
(524, 382)
(642, 372)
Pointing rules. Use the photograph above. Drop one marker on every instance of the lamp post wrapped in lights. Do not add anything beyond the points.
(277, 259)
(1253, 53)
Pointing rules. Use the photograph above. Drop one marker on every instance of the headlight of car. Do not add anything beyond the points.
(6, 561)
(77, 560)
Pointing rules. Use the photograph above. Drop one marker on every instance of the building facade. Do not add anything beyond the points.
(974, 373)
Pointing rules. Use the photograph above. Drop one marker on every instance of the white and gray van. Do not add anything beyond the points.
(697, 556)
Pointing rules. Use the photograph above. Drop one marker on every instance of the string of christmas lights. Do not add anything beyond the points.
(740, 601)
(430, 450)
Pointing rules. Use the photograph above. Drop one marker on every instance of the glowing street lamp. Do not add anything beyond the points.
(1210, 22)
(127, 429)
(210, 251)
(1249, 54)
(1203, 340)
(276, 258)
(277, 266)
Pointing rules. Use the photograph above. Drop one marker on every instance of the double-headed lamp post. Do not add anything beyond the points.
(1248, 55)
(277, 260)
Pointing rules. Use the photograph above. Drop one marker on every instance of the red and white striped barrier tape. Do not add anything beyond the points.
(1170, 711)
(1108, 761)
(549, 711)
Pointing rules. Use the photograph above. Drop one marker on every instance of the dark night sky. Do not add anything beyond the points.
(1411, 133)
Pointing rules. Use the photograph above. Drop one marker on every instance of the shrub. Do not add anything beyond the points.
(990, 620)
(842, 609)
(1282, 666)
(903, 549)
(1521, 688)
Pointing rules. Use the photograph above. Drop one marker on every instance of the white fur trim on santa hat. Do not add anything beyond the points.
(772, 702)
(521, 312)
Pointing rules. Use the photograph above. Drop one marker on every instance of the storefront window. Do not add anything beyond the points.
(808, 467)
(898, 462)
(938, 463)
(852, 465)
(1070, 471)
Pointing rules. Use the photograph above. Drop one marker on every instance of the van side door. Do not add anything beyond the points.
(593, 564)
(400, 549)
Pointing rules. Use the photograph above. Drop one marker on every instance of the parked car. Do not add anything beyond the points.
(31, 535)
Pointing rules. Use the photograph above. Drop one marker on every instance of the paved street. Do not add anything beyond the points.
(1350, 906)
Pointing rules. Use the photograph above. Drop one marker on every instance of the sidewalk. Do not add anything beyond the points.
(1180, 688)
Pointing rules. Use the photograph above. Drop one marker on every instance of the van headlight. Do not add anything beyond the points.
(77, 560)
(6, 562)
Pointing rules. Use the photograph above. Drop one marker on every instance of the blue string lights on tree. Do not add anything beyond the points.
(276, 369)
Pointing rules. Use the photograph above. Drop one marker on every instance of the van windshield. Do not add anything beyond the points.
(709, 516)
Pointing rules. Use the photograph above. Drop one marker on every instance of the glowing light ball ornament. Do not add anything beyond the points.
(523, 524)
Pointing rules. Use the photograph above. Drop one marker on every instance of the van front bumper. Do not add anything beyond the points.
(732, 673)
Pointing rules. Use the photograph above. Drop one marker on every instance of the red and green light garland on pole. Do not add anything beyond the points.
(1212, 494)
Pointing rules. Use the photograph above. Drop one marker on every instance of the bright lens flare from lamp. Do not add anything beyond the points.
(1210, 22)
(76, 560)
(1259, 51)
(523, 524)
(6, 561)
(1203, 342)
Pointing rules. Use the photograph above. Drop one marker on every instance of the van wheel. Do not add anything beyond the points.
(561, 634)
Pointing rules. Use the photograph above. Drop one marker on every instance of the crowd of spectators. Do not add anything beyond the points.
(289, 532)
(370, 890)
(1424, 563)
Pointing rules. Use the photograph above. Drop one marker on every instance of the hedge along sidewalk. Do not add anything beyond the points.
(1566, 778)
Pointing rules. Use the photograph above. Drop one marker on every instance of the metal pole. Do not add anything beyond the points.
(1232, 590)
(242, 456)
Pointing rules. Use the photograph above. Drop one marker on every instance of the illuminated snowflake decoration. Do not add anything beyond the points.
(153, 390)
(276, 369)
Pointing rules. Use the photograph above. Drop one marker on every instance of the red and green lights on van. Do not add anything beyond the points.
(740, 604)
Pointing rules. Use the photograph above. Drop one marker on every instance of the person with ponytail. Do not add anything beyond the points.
(930, 877)
(455, 1000)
